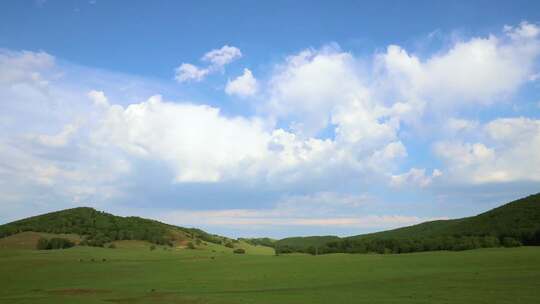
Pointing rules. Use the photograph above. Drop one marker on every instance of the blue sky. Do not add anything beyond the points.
(269, 119)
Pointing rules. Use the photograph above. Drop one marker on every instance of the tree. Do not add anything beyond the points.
(54, 243)
(510, 242)
(42, 244)
(239, 251)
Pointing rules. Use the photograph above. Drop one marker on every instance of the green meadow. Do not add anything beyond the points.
(132, 273)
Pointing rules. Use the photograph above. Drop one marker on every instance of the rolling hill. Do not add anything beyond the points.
(519, 219)
(97, 228)
(512, 224)
(299, 244)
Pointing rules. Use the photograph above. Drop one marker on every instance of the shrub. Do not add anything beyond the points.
(229, 244)
(510, 242)
(54, 243)
(112, 246)
(153, 247)
(42, 244)
(239, 251)
(190, 245)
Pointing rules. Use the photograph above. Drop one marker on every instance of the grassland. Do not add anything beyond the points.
(135, 274)
(29, 239)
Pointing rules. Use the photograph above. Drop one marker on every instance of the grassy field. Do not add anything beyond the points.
(139, 275)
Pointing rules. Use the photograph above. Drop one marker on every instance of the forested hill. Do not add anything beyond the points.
(519, 219)
(293, 244)
(513, 224)
(99, 227)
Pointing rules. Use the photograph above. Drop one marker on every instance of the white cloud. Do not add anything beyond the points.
(44, 155)
(58, 140)
(223, 56)
(98, 98)
(189, 72)
(525, 30)
(241, 218)
(217, 59)
(226, 148)
(415, 177)
(25, 67)
(325, 118)
(166, 131)
(244, 85)
(310, 84)
(510, 153)
(323, 209)
(456, 125)
(320, 89)
(478, 70)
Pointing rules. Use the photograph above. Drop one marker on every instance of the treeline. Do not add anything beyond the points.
(99, 228)
(384, 246)
(268, 242)
(54, 243)
(514, 224)
(199, 234)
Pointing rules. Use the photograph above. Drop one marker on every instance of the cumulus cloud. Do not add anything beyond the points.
(326, 120)
(508, 152)
(25, 66)
(98, 98)
(415, 177)
(46, 162)
(165, 130)
(480, 70)
(58, 140)
(223, 56)
(189, 72)
(244, 85)
(457, 125)
(222, 148)
(217, 60)
(317, 89)
(310, 84)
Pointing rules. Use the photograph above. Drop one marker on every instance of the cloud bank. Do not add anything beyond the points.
(324, 122)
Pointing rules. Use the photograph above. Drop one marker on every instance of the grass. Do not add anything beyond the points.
(29, 239)
(139, 275)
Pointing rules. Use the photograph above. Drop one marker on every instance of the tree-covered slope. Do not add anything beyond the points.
(510, 225)
(99, 227)
(268, 242)
(519, 219)
(294, 244)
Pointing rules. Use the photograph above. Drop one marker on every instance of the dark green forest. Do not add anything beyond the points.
(99, 228)
(54, 243)
(514, 224)
(268, 242)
